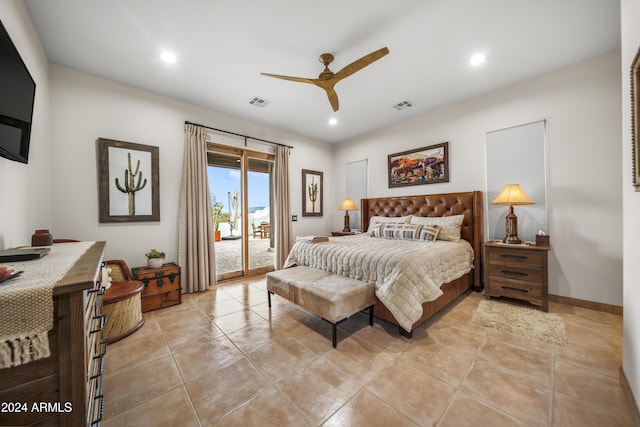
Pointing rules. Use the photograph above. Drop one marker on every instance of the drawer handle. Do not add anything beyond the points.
(518, 257)
(98, 288)
(515, 289)
(100, 367)
(514, 273)
(100, 413)
(101, 323)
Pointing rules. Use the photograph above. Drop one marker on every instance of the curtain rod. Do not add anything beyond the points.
(237, 134)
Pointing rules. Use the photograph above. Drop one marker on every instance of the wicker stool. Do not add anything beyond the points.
(123, 309)
(121, 303)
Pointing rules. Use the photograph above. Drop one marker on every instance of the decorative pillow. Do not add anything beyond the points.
(397, 219)
(449, 225)
(392, 230)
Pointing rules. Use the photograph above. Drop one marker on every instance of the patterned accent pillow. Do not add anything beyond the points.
(449, 225)
(398, 219)
(390, 230)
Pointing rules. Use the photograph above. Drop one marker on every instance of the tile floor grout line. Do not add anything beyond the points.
(184, 383)
(485, 339)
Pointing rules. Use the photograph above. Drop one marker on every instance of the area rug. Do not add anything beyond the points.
(523, 321)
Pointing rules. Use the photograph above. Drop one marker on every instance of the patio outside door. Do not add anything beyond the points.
(240, 178)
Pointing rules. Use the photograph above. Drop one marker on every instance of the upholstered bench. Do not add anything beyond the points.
(330, 296)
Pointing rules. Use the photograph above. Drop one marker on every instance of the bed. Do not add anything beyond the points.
(397, 301)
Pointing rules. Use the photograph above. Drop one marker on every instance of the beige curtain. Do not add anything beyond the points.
(196, 254)
(283, 230)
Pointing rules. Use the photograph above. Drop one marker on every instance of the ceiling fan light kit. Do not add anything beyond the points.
(328, 79)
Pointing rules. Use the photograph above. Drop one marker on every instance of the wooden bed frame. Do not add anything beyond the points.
(467, 203)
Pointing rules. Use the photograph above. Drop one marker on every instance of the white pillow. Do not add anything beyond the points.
(397, 219)
(449, 225)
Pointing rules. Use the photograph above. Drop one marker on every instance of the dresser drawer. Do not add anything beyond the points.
(521, 273)
(504, 256)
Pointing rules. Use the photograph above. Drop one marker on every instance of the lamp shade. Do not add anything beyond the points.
(512, 195)
(347, 205)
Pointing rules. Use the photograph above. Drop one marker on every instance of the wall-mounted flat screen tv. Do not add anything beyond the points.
(17, 92)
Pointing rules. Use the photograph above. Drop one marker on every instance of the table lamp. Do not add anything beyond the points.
(347, 205)
(512, 195)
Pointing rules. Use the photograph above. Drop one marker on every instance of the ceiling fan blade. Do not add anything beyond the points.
(360, 64)
(293, 79)
(333, 98)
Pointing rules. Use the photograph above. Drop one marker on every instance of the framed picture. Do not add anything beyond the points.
(427, 165)
(128, 181)
(635, 119)
(312, 193)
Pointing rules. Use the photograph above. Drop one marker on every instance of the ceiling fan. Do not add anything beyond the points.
(327, 78)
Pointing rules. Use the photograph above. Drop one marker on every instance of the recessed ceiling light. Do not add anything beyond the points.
(333, 121)
(477, 59)
(168, 57)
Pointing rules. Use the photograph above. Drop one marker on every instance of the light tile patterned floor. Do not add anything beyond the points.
(222, 358)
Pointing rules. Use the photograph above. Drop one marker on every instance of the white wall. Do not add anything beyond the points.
(582, 106)
(25, 190)
(85, 108)
(630, 14)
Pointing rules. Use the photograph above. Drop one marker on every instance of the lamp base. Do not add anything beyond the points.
(511, 239)
(511, 225)
(346, 228)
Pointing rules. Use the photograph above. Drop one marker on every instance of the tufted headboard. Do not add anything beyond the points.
(468, 203)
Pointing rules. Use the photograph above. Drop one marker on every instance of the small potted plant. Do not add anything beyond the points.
(217, 211)
(155, 259)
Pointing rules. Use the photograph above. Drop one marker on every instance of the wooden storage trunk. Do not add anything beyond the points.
(161, 286)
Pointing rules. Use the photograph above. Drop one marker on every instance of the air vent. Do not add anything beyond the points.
(403, 105)
(259, 102)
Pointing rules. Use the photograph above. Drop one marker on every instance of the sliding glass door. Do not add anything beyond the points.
(241, 197)
(260, 239)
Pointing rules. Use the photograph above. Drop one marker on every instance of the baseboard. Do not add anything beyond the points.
(591, 305)
(635, 413)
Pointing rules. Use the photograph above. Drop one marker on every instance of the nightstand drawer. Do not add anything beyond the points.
(531, 292)
(520, 273)
(516, 258)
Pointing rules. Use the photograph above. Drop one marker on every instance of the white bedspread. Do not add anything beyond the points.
(406, 273)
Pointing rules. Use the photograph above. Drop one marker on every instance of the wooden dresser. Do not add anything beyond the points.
(161, 286)
(64, 389)
(517, 271)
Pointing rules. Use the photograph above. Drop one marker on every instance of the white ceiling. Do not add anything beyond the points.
(222, 46)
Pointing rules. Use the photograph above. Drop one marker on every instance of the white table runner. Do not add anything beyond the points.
(26, 304)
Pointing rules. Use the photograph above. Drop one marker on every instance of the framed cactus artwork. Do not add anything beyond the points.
(312, 193)
(128, 181)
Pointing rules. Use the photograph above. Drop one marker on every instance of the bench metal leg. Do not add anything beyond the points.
(269, 297)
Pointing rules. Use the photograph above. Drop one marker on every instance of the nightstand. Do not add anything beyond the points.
(342, 233)
(517, 271)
